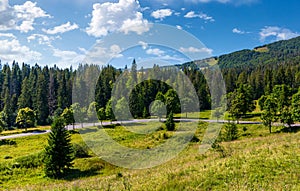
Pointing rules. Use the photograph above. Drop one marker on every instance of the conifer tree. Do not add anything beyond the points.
(59, 152)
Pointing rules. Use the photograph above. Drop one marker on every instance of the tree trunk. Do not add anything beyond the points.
(270, 128)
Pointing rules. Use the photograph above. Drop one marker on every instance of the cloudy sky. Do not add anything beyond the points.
(62, 32)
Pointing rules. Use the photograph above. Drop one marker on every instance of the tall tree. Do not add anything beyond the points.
(269, 113)
(42, 110)
(59, 152)
(240, 102)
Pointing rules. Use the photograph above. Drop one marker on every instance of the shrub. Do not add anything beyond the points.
(231, 132)
(170, 124)
(30, 161)
(81, 150)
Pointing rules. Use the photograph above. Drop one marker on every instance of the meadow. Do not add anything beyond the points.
(257, 160)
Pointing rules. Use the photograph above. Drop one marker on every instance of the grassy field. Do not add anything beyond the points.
(256, 161)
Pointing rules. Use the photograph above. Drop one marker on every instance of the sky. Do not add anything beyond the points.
(68, 32)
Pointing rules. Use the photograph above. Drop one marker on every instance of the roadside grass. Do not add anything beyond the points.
(18, 131)
(258, 160)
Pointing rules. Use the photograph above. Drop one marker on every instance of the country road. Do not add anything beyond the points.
(84, 125)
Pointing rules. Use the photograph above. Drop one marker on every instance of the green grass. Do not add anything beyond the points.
(256, 161)
(18, 131)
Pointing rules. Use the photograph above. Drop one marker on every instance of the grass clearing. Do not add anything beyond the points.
(256, 161)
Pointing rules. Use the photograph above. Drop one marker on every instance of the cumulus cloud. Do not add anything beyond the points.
(155, 52)
(67, 58)
(143, 44)
(237, 31)
(62, 28)
(8, 35)
(277, 32)
(162, 13)
(19, 17)
(196, 50)
(42, 39)
(203, 16)
(123, 16)
(11, 50)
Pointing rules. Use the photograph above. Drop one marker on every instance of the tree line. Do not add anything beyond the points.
(46, 92)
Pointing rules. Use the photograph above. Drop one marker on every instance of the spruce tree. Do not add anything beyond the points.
(59, 152)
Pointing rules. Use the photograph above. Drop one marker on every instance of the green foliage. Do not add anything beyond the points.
(172, 101)
(68, 116)
(121, 109)
(170, 124)
(241, 102)
(25, 118)
(231, 132)
(92, 112)
(109, 111)
(269, 113)
(296, 106)
(286, 116)
(59, 152)
(158, 108)
(31, 161)
(81, 150)
(101, 114)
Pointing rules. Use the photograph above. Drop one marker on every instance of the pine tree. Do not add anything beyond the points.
(42, 110)
(59, 152)
(25, 99)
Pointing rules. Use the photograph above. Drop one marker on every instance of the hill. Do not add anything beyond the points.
(274, 53)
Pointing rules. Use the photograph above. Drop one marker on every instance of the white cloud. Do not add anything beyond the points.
(155, 51)
(196, 50)
(143, 44)
(42, 39)
(123, 16)
(62, 28)
(102, 55)
(179, 27)
(8, 35)
(203, 16)
(67, 58)
(11, 50)
(235, 30)
(277, 32)
(162, 13)
(20, 17)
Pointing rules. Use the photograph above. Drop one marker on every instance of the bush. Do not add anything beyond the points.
(81, 150)
(30, 161)
(231, 132)
(170, 124)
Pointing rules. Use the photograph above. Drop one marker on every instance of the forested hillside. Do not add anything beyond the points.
(48, 90)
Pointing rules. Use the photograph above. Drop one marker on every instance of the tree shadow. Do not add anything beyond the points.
(293, 129)
(86, 131)
(7, 142)
(75, 174)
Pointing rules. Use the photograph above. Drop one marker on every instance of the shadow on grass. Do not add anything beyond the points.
(293, 129)
(74, 174)
(7, 142)
(85, 131)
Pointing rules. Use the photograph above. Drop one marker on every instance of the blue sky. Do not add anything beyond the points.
(63, 32)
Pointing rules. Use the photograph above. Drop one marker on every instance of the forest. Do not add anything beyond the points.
(48, 90)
